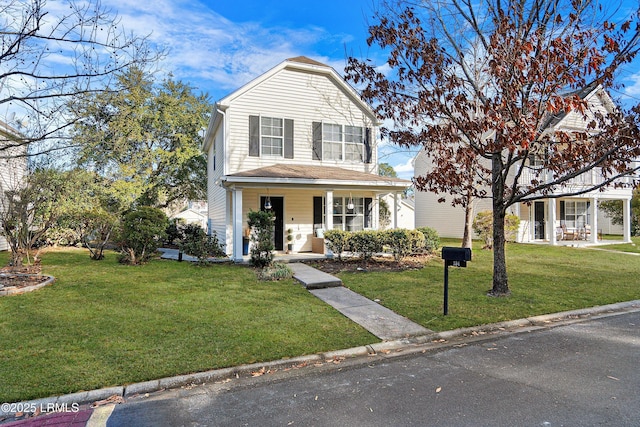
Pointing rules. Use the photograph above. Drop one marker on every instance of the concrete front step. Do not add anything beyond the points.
(312, 278)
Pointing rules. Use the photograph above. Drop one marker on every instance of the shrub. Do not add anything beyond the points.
(261, 224)
(276, 271)
(431, 238)
(366, 243)
(337, 241)
(399, 242)
(196, 242)
(142, 232)
(483, 226)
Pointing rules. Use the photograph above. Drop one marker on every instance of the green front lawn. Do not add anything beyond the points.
(543, 279)
(103, 324)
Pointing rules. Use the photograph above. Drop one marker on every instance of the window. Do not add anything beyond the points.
(574, 213)
(342, 142)
(271, 136)
(353, 143)
(344, 218)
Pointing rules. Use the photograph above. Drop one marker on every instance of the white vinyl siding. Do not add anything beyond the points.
(309, 97)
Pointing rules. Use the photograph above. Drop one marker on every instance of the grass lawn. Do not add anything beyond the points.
(543, 279)
(103, 324)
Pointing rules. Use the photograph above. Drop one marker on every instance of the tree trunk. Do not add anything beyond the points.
(500, 282)
(468, 221)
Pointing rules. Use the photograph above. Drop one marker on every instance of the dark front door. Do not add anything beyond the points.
(539, 220)
(277, 207)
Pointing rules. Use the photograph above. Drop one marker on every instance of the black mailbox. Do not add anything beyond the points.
(457, 257)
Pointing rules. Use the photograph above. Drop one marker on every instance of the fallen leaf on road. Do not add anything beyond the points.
(438, 390)
(115, 399)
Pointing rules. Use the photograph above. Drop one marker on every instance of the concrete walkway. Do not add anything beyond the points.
(379, 320)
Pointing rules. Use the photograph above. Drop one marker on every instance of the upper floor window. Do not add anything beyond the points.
(342, 142)
(270, 136)
(338, 142)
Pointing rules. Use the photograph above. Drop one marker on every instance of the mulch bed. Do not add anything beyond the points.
(333, 266)
(21, 277)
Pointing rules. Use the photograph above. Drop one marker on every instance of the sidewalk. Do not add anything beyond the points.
(379, 320)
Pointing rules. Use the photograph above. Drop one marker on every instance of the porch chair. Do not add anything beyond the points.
(568, 235)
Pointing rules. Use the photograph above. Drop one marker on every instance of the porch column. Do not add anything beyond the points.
(626, 220)
(237, 224)
(396, 207)
(593, 211)
(328, 210)
(552, 221)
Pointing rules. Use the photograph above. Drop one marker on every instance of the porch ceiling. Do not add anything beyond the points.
(316, 176)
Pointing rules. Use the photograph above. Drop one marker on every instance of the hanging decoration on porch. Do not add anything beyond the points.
(267, 202)
(350, 205)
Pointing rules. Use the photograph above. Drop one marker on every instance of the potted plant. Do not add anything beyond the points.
(289, 240)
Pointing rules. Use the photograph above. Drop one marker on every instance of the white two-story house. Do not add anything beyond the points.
(299, 141)
(554, 220)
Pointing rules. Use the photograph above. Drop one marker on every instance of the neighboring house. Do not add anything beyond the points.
(549, 220)
(300, 141)
(191, 216)
(13, 165)
(405, 209)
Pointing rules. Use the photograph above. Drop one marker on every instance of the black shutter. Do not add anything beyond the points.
(367, 145)
(562, 218)
(288, 139)
(368, 202)
(317, 212)
(317, 141)
(254, 136)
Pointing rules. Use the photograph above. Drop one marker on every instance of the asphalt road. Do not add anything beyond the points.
(578, 374)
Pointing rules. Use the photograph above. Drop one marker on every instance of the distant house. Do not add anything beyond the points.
(13, 165)
(551, 220)
(297, 140)
(191, 216)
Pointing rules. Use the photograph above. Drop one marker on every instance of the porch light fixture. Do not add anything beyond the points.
(267, 202)
(350, 205)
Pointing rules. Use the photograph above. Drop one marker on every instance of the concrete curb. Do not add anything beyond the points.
(384, 349)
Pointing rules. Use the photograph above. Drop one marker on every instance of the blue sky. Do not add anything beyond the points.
(219, 45)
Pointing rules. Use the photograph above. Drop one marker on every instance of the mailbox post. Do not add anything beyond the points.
(456, 257)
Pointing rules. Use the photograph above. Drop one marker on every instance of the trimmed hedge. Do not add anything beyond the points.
(400, 242)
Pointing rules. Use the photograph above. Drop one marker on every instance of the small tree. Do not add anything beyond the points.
(196, 242)
(262, 226)
(142, 232)
(29, 210)
(483, 226)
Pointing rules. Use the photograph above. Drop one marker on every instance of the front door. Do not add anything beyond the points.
(539, 221)
(277, 207)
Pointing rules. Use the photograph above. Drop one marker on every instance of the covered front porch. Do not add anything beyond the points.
(572, 221)
(305, 201)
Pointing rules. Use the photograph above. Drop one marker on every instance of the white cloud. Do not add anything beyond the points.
(633, 89)
(404, 168)
(211, 52)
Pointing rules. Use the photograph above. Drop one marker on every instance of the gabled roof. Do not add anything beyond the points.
(590, 90)
(303, 64)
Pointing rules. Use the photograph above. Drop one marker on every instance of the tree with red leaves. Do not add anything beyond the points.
(477, 84)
